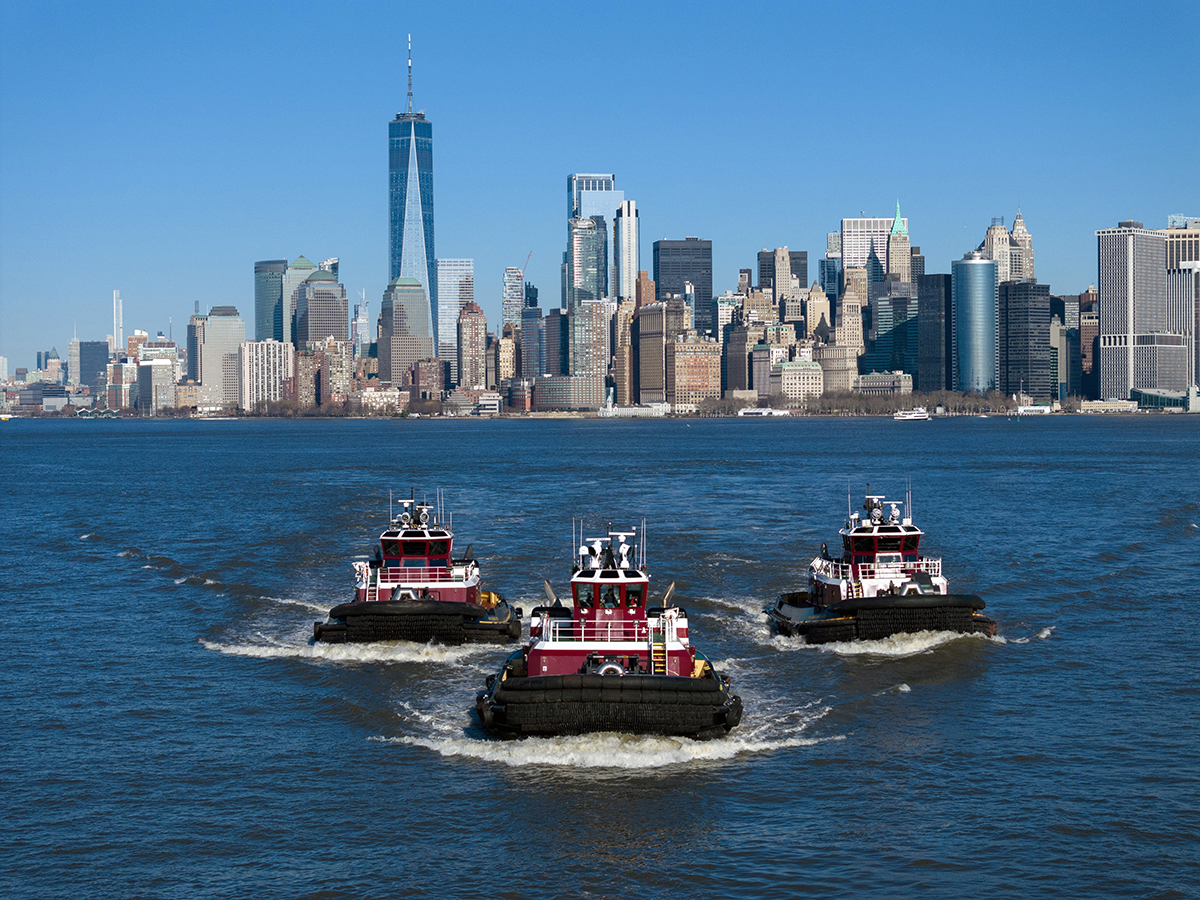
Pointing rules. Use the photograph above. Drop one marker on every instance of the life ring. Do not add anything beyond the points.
(611, 668)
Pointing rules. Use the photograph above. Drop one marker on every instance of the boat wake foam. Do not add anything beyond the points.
(1042, 635)
(381, 652)
(606, 750)
(896, 646)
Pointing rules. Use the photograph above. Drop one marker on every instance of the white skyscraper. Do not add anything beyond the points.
(455, 289)
(865, 245)
(591, 196)
(118, 322)
(627, 256)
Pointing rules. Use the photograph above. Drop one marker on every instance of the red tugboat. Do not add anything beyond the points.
(610, 662)
(880, 586)
(414, 590)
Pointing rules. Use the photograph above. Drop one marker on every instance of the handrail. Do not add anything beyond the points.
(610, 630)
(835, 569)
(401, 575)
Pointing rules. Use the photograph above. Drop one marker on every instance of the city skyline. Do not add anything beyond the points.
(121, 216)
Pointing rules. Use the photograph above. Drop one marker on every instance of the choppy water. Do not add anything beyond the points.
(171, 731)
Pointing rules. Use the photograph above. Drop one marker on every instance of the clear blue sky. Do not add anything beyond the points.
(162, 148)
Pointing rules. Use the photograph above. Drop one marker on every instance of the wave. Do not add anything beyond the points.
(383, 651)
(303, 604)
(1041, 635)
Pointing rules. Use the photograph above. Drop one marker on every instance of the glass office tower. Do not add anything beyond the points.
(410, 189)
(973, 289)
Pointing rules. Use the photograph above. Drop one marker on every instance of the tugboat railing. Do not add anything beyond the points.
(610, 630)
(398, 575)
(834, 569)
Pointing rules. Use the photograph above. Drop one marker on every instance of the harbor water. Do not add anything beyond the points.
(172, 731)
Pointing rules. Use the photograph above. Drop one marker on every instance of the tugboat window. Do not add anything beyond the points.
(439, 548)
(414, 548)
(610, 598)
(634, 595)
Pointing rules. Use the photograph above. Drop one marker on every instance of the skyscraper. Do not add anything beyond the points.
(1023, 340)
(268, 299)
(405, 329)
(934, 334)
(585, 260)
(864, 245)
(514, 298)
(118, 321)
(830, 266)
(676, 262)
(455, 289)
(973, 296)
(899, 255)
(1142, 344)
(297, 272)
(627, 258)
(410, 189)
(472, 347)
(595, 197)
(321, 309)
(223, 332)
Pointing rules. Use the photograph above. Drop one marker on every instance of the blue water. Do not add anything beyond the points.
(171, 732)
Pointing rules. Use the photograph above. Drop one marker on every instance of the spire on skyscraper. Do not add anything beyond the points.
(410, 74)
(897, 224)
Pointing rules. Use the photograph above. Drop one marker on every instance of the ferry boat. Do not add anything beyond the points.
(916, 414)
(415, 590)
(610, 662)
(879, 586)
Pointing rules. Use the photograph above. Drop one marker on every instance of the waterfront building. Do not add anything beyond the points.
(335, 373)
(266, 372)
(360, 330)
(224, 332)
(472, 347)
(455, 289)
(973, 299)
(839, 366)
(651, 352)
(742, 335)
(93, 358)
(156, 386)
(692, 372)
(1183, 312)
(798, 379)
(934, 333)
(724, 309)
(321, 309)
(1023, 341)
(427, 378)
(512, 297)
(894, 336)
(830, 266)
(1138, 349)
(996, 247)
(764, 357)
(677, 262)
(864, 245)
(881, 384)
(627, 257)
(504, 363)
(268, 298)
(405, 329)
(410, 197)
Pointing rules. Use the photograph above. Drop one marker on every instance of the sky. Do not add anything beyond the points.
(161, 148)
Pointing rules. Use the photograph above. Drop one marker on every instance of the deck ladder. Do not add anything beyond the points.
(658, 653)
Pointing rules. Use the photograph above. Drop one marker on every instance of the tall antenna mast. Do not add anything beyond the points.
(410, 74)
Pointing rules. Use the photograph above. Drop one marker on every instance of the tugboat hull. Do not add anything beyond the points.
(874, 618)
(580, 704)
(419, 621)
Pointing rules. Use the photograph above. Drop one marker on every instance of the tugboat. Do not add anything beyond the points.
(414, 590)
(880, 586)
(610, 662)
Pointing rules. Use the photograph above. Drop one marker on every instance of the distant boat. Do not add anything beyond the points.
(762, 411)
(916, 414)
